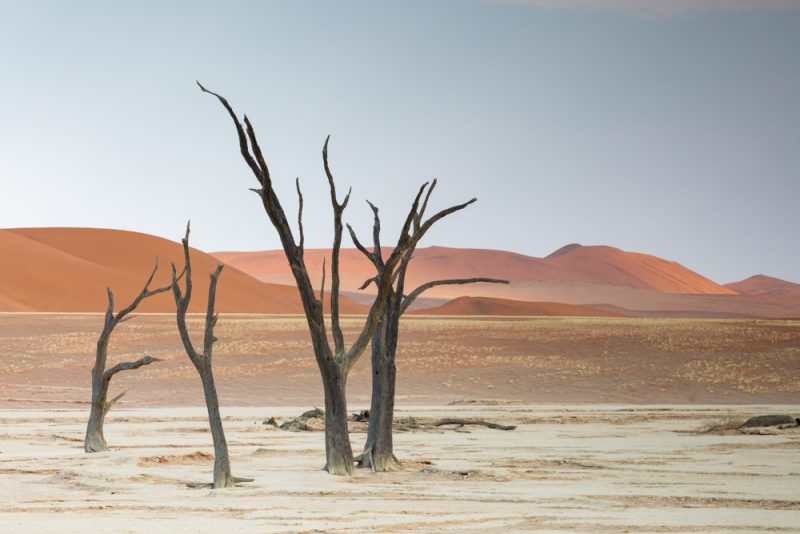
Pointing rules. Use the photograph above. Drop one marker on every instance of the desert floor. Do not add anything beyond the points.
(611, 417)
(565, 468)
(262, 360)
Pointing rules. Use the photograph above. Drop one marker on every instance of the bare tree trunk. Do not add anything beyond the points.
(202, 362)
(94, 440)
(338, 451)
(379, 450)
(222, 463)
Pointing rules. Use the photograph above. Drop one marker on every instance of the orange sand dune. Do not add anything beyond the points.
(68, 269)
(765, 286)
(595, 276)
(609, 265)
(494, 306)
(573, 263)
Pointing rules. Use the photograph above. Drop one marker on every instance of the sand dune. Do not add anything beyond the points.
(507, 307)
(609, 265)
(68, 269)
(594, 276)
(573, 263)
(765, 285)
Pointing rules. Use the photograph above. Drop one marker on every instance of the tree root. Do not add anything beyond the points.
(95, 446)
(367, 459)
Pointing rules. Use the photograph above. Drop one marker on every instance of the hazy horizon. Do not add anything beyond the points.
(664, 128)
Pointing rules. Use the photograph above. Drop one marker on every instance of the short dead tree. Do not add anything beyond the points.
(334, 362)
(95, 441)
(202, 362)
(378, 450)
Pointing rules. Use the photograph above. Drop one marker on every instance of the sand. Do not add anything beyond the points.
(566, 468)
(630, 466)
(69, 269)
(260, 360)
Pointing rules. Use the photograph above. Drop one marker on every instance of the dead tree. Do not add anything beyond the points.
(202, 362)
(334, 362)
(95, 441)
(378, 450)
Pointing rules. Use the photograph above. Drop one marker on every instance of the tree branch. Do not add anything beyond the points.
(211, 317)
(376, 235)
(361, 248)
(240, 133)
(269, 199)
(408, 300)
(435, 218)
(338, 337)
(112, 402)
(109, 318)
(421, 213)
(182, 300)
(402, 241)
(322, 289)
(266, 180)
(301, 246)
(367, 282)
(146, 292)
(126, 366)
(384, 285)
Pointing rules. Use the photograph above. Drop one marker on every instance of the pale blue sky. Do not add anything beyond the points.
(662, 128)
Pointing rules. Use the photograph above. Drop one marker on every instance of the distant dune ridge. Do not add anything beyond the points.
(68, 269)
(574, 263)
(765, 285)
(507, 307)
(597, 277)
(609, 265)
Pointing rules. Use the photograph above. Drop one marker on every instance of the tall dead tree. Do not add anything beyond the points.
(95, 441)
(378, 450)
(334, 362)
(202, 362)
